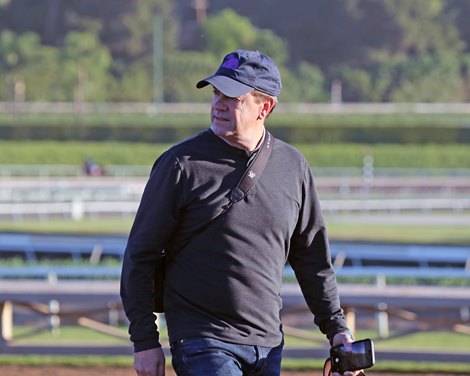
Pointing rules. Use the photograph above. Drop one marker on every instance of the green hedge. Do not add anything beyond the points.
(291, 134)
(293, 128)
(373, 135)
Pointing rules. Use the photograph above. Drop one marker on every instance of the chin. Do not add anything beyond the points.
(221, 130)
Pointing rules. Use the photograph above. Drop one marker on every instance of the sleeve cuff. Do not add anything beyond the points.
(146, 345)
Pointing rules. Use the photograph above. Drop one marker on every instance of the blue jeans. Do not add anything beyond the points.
(211, 357)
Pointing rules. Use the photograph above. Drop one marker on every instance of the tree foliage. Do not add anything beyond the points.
(227, 31)
(380, 50)
(24, 61)
(78, 71)
(425, 27)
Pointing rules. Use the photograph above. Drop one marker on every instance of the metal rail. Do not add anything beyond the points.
(54, 273)
(67, 299)
(351, 259)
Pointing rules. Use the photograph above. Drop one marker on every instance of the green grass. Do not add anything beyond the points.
(119, 226)
(424, 234)
(287, 364)
(66, 335)
(425, 340)
(70, 334)
(318, 155)
(406, 233)
(431, 340)
(75, 153)
(386, 366)
(422, 341)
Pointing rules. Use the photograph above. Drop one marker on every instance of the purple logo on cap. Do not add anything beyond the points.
(231, 62)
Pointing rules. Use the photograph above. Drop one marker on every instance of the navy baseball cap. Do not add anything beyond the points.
(242, 71)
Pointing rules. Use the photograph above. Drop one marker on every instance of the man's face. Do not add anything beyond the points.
(230, 116)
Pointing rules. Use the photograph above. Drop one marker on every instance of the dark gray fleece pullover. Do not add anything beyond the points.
(225, 282)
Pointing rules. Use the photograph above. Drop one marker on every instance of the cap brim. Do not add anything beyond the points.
(227, 86)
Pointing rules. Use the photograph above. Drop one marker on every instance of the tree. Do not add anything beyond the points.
(104, 50)
(306, 84)
(183, 70)
(317, 31)
(425, 27)
(425, 78)
(23, 60)
(85, 67)
(125, 27)
(78, 71)
(429, 79)
(460, 11)
(139, 26)
(227, 31)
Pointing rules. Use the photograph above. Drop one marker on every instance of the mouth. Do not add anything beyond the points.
(219, 118)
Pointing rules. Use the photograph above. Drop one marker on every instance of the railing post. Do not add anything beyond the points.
(351, 319)
(6, 318)
(465, 314)
(382, 320)
(54, 318)
(381, 281)
(113, 314)
(77, 210)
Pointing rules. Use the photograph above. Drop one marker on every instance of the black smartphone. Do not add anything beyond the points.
(361, 357)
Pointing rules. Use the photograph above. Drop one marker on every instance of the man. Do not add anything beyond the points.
(222, 287)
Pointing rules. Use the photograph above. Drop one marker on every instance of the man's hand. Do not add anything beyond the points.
(345, 339)
(150, 362)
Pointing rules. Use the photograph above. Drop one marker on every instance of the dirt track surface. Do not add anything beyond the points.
(110, 371)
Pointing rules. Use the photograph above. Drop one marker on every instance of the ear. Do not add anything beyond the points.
(266, 108)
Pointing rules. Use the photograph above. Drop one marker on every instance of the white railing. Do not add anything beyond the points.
(396, 205)
(23, 170)
(153, 108)
(78, 210)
